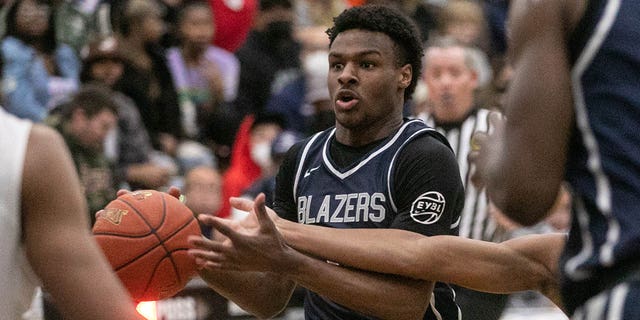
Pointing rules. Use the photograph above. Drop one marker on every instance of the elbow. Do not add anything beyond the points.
(526, 204)
(266, 312)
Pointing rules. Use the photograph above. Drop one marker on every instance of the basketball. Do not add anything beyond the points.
(144, 235)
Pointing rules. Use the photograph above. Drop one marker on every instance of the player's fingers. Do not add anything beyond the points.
(261, 212)
(122, 192)
(496, 119)
(99, 213)
(174, 192)
(241, 203)
(222, 225)
(206, 244)
(207, 256)
(478, 139)
(206, 219)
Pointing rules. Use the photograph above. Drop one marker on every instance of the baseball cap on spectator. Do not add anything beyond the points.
(283, 142)
(102, 48)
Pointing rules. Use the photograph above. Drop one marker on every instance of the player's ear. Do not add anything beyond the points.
(405, 75)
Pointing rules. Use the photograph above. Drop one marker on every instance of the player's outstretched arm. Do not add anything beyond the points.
(527, 263)
(57, 235)
(261, 248)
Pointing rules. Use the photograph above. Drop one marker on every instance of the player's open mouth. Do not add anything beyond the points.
(346, 100)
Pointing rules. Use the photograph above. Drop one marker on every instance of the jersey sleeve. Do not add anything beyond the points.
(427, 187)
(283, 202)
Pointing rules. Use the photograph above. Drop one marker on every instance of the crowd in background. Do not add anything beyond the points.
(208, 95)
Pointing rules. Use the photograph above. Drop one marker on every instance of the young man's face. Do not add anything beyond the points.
(96, 128)
(365, 84)
(107, 71)
(32, 18)
(197, 27)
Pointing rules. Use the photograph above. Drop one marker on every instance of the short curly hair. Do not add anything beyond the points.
(400, 28)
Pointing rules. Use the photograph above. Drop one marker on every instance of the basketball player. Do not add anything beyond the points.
(373, 170)
(573, 113)
(44, 230)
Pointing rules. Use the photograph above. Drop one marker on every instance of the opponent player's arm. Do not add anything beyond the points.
(527, 263)
(528, 166)
(57, 236)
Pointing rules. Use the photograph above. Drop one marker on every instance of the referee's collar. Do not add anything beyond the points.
(454, 124)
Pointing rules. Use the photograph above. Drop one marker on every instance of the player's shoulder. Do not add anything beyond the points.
(429, 148)
(44, 143)
(429, 141)
(42, 134)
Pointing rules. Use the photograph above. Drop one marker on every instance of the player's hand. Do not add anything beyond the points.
(244, 248)
(151, 175)
(484, 146)
(248, 205)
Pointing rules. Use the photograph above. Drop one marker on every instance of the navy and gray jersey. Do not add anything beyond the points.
(603, 168)
(409, 180)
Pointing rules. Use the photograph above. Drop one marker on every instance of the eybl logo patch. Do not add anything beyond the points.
(428, 207)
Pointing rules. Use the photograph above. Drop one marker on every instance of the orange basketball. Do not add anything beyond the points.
(144, 236)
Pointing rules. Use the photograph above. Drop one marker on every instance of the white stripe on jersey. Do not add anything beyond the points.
(432, 304)
(337, 173)
(603, 189)
(608, 305)
(616, 304)
(595, 308)
(475, 222)
(301, 164)
(571, 267)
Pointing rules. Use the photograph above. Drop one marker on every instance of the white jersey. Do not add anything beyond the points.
(17, 280)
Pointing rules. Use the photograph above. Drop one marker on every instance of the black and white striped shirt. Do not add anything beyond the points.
(475, 222)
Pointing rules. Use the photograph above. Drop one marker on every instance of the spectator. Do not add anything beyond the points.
(131, 147)
(234, 20)
(464, 21)
(202, 191)
(269, 58)
(206, 78)
(250, 156)
(304, 102)
(267, 182)
(38, 71)
(146, 78)
(312, 13)
(84, 123)
(79, 21)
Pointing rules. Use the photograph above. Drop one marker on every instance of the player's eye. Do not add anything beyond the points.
(336, 66)
(367, 65)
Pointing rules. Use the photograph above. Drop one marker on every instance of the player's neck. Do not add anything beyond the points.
(360, 136)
